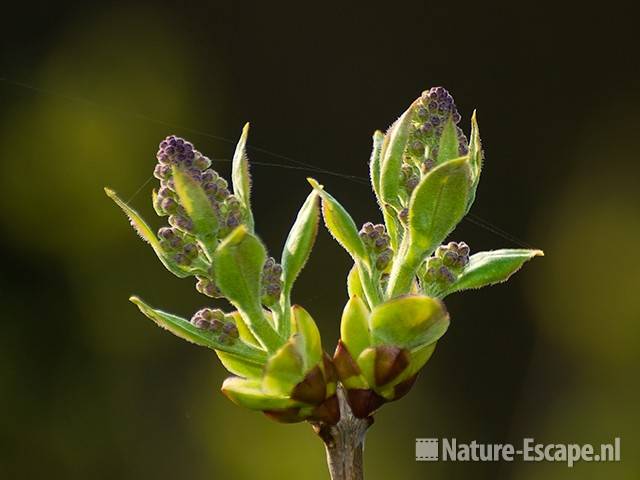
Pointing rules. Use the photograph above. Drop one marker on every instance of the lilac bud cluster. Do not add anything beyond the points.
(179, 246)
(448, 262)
(432, 112)
(177, 152)
(377, 242)
(271, 281)
(214, 320)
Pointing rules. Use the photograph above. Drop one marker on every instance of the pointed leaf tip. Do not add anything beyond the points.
(314, 183)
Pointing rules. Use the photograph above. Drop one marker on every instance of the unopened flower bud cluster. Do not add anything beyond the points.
(271, 281)
(434, 108)
(377, 242)
(177, 152)
(215, 321)
(444, 267)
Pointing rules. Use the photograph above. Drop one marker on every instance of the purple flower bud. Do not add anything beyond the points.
(190, 250)
(201, 162)
(169, 205)
(207, 287)
(181, 259)
(209, 176)
(230, 329)
(445, 275)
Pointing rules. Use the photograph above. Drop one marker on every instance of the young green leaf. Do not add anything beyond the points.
(354, 285)
(248, 393)
(238, 262)
(194, 200)
(238, 365)
(310, 343)
(240, 177)
(354, 326)
(340, 224)
(374, 163)
(284, 370)
(145, 232)
(489, 268)
(391, 156)
(409, 321)
(300, 241)
(437, 205)
(185, 330)
(448, 148)
(476, 158)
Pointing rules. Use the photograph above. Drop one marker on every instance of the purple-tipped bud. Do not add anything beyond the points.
(182, 259)
(207, 287)
(190, 250)
(231, 330)
(383, 260)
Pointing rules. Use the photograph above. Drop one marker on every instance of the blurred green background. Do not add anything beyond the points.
(91, 389)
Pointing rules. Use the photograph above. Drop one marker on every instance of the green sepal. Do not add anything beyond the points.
(248, 393)
(448, 147)
(300, 241)
(148, 235)
(391, 157)
(284, 369)
(354, 326)
(375, 164)
(489, 268)
(185, 330)
(237, 263)
(409, 321)
(341, 225)
(198, 207)
(240, 177)
(309, 344)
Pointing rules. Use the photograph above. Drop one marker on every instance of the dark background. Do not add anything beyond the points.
(91, 389)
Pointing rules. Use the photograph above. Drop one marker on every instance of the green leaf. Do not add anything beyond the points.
(448, 148)
(366, 361)
(310, 344)
(185, 330)
(391, 157)
(240, 177)
(476, 157)
(374, 164)
(194, 200)
(248, 393)
(300, 241)
(243, 330)
(238, 365)
(237, 263)
(285, 369)
(145, 232)
(489, 268)
(437, 205)
(354, 285)
(340, 224)
(354, 326)
(409, 321)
